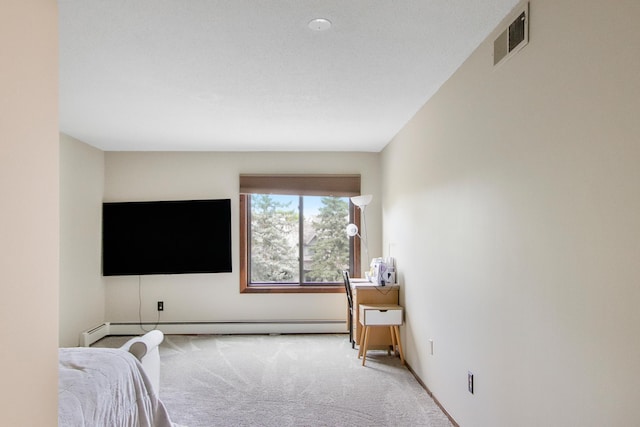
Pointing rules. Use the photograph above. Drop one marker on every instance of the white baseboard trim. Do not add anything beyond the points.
(229, 328)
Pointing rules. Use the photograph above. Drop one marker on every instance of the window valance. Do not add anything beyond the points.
(301, 184)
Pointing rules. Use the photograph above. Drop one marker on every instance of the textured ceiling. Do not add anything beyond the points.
(241, 75)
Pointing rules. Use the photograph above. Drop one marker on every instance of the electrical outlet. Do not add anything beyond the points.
(160, 305)
(470, 381)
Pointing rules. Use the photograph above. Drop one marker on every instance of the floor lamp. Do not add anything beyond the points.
(352, 230)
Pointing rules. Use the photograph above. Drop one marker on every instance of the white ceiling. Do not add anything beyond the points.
(240, 75)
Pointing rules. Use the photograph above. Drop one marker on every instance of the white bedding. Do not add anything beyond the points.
(106, 387)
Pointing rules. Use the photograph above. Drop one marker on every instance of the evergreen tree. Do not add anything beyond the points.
(274, 254)
(331, 249)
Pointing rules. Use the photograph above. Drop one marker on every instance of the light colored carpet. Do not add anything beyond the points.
(286, 380)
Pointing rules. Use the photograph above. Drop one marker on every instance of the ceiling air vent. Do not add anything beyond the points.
(514, 37)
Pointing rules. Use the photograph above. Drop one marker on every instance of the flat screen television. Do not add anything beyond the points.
(166, 237)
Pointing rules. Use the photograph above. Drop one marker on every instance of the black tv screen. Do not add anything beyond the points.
(166, 237)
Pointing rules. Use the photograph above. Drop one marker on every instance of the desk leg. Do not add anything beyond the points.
(393, 341)
(395, 330)
(366, 343)
(361, 341)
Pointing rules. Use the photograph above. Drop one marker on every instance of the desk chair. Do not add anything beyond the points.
(347, 288)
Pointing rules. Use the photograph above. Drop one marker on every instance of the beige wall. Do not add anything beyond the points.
(216, 297)
(82, 296)
(29, 213)
(511, 201)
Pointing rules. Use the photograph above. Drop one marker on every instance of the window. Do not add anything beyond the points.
(292, 232)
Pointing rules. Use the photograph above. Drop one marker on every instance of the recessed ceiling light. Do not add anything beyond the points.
(319, 24)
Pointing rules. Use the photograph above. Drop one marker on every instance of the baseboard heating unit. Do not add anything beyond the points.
(94, 334)
(231, 327)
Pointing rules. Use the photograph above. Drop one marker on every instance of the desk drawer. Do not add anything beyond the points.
(372, 317)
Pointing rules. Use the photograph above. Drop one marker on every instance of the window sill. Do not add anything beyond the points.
(307, 289)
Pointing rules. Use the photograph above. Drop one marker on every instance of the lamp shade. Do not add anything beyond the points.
(352, 230)
(362, 201)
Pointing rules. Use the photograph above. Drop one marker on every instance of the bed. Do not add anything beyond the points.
(112, 387)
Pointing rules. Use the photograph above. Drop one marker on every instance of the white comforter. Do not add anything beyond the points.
(106, 387)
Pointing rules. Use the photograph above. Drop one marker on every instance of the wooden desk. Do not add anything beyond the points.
(378, 315)
(368, 293)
